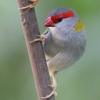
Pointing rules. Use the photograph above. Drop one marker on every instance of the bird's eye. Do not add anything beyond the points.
(59, 19)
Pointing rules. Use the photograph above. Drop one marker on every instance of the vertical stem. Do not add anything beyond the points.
(35, 50)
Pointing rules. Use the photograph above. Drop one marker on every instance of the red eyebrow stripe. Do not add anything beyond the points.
(63, 15)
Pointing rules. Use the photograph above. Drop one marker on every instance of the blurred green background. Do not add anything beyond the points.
(79, 82)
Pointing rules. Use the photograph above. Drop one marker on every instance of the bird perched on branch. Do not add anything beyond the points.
(64, 41)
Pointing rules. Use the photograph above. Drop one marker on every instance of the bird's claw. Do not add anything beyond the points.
(53, 86)
(41, 38)
(48, 96)
(34, 2)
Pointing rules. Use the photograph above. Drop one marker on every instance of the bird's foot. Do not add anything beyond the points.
(41, 38)
(53, 86)
(34, 2)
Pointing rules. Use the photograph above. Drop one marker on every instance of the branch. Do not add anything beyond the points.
(35, 50)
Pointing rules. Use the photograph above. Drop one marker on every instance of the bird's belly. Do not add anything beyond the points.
(63, 60)
(61, 63)
(51, 50)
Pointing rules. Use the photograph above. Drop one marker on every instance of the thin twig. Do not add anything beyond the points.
(35, 50)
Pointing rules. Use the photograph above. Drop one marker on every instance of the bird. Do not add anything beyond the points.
(64, 41)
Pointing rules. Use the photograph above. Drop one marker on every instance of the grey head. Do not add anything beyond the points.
(62, 18)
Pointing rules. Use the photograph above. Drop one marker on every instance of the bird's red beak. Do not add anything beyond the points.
(48, 22)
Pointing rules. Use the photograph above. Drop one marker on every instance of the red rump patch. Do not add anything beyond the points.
(63, 15)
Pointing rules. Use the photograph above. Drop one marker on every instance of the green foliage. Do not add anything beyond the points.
(79, 82)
